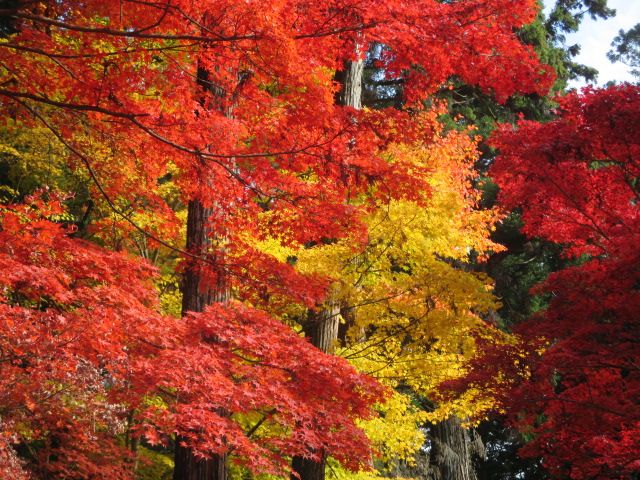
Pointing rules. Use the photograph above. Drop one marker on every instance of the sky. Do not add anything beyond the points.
(595, 37)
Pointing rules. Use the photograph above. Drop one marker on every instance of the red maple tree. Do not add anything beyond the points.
(84, 352)
(576, 181)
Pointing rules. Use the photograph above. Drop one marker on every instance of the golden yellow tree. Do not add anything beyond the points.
(411, 306)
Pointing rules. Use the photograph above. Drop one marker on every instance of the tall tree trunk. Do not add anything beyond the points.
(308, 468)
(351, 78)
(453, 451)
(196, 296)
(322, 327)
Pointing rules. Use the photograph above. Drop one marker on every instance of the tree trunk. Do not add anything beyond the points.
(322, 327)
(196, 296)
(188, 467)
(351, 78)
(454, 450)
(308, 468)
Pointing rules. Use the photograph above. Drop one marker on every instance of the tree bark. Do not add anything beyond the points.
(453, 451)
(188, 467)
(308, 468)
(351, 78)
(196, 296)
(322, 327)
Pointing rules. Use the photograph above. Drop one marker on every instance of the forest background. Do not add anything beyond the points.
(349, 239)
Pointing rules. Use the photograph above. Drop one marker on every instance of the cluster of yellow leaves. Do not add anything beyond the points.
(31, 158)
(152, 465)
(411, 302)
(393, 432)
(395, 436)
(338, 473)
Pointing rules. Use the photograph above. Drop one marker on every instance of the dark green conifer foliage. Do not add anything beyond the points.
(626, 49)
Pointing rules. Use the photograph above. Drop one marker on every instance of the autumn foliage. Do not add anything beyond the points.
(87, 359)
(576, 181)
(117, 84)
(152, 106)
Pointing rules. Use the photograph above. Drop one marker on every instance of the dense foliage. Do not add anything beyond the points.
(576, 181)
(190, 191)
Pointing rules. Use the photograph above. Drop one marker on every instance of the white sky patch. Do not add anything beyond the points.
(595, 37)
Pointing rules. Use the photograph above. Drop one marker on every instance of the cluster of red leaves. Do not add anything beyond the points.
(124, 72)
(234, 359)
(576, 180)
(84, 353)
(71, 321)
